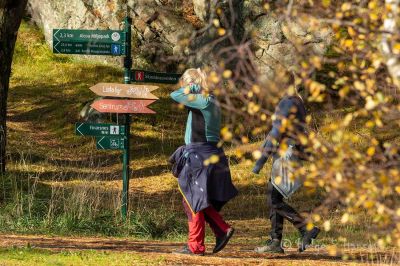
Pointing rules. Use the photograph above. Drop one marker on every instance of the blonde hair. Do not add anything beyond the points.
(194, 75)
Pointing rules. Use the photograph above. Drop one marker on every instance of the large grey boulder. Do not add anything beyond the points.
(157, 25)
(277, 42)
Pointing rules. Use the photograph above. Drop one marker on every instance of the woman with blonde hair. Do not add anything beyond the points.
(201, 166)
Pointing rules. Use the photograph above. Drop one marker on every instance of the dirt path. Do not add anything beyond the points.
(233, 255)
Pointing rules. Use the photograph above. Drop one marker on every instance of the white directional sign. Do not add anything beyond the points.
(125, 90)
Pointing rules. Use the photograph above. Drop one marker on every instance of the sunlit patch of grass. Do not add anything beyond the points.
(31, 256)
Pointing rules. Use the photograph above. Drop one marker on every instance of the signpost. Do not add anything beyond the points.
(115, 43)
(154, 77)
(111, 143)
(92, 42)
(123, 106)
(124, 90)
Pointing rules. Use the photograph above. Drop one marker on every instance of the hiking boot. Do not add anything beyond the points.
(307, 238)
(272, 246)
(186, 251)
(220, 242)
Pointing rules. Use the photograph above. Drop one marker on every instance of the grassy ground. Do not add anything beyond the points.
(27, 256)
(59, 184)
(45, 250)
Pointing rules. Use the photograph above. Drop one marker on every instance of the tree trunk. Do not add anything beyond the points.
(11, 12)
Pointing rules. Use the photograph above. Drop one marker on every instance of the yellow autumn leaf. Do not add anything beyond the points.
(214, 159)
(370, 104)
(303, 139)
(309, 226)
(351, 31)
(326, 3)
(214, 78)
(263, 117)
(316, 217)
(227, 74)
(221, 31)
(370, 124)
(373, 16)
(256, 89)
(257, 154)
(369, 204)
(359, 85)
(396, 48)
(226, 134)
(238, 153)
(316, 61)
(327, 226)
(371, 151)
(378, 122)
(345, 218)
(346, 7)
(372, 5)
(348, 43)
(339, 177)
(186, 90)
(347, 119)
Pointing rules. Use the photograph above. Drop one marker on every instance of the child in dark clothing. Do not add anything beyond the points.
(292, 109)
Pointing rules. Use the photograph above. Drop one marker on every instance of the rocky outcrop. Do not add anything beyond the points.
(158, 25)
(277, 41)
(162, 28)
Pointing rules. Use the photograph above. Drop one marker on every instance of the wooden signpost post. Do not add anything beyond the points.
(114, 43)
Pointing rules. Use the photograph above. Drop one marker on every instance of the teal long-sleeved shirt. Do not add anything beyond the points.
(204, 118)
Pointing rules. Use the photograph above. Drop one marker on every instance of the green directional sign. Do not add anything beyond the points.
(111, 143)
(101, 36)
(88, 129)
(89, 48)
(91, 42)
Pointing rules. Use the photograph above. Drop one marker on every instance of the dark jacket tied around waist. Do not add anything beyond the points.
(200, 182)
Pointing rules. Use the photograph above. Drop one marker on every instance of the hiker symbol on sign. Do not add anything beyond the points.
(114, 130)
(139, 75)
(115, 49)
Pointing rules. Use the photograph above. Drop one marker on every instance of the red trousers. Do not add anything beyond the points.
(197, 226)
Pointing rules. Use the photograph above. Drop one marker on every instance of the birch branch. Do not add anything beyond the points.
(391, 28)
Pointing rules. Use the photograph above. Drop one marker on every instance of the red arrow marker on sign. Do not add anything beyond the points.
(123, 106)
